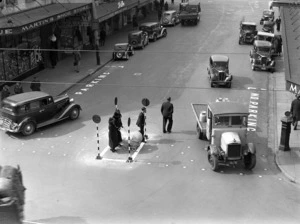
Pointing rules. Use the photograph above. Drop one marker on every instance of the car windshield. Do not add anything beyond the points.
(220, 64)
(120, 47)
(239, 120)
(267, 38)
(146, 28)
(249, 27)
(267, 13)
(167, 14)
(263, 49)
(220, 121)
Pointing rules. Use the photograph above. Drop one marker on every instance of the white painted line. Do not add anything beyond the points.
(84, 90)
(101, 76)
(94, 82)
(121, 66)
(115, 160)
(104, 151)
(251, 88)
(89, 85)
(106, 73)
(30, 222)
(98, 79)
(137, 151)
(78, 93)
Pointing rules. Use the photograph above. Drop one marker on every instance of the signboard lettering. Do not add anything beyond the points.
(5, 32)
(292, 87)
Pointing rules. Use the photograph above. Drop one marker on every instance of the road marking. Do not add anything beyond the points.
(84, 90)
(78, 93)
(89, 85)
(137, 74)
(94, 82)
(104, 151)
(251, 88)
(101, 76)
(137, 151)
(106, 73)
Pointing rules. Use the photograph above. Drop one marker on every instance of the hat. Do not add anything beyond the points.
(143, 108)
(169, 98)
(117, 113)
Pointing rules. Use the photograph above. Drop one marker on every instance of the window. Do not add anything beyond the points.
(23, 108)
(35, 105)
(221, 121)
(236, 120)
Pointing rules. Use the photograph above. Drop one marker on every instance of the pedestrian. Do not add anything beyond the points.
(279, 45)
(35, 84)
(53, 53)
(118, 122)
(167, 110)
(166, 6)
(295, 110)
(4, 93)
(102, 37)
(141, 122)
(77, 58)
(278, 22)
(18, 88)
(112, 134)
(172, 1)
(156, 4)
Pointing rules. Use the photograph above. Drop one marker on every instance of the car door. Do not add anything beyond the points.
(47, 109)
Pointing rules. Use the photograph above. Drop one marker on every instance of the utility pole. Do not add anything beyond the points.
(95, 32)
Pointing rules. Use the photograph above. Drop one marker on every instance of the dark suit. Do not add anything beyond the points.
(141, 123)
(167, 112)
(295, 110)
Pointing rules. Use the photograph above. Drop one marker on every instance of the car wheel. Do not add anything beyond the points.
(249, 161)
(165, 33)
(119, 55)
(213, 161)
(199, 132)
(253, 67)
(28, 128)
(74, 113)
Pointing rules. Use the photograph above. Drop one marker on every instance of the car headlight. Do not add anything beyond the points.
(71, 100)
(14, 126)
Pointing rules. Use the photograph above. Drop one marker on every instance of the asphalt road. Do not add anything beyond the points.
(171, 180)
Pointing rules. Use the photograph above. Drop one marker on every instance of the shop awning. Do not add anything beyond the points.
(291, 44)
(37, 17)
(110, 9)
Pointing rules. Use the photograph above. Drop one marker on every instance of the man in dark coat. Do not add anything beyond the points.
(18, 88)
(141, 121)
(278, 21)
(118, 122)
(35, 85)
(102, 37)
(112, 134)
(167, 110)
(295, 110)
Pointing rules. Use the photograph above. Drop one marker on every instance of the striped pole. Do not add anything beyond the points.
(97, 120)
(145, 134)
(129, 160)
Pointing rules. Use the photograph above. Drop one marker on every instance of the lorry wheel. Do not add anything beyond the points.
(213, 160)
(249, 161)
(74, 114)
(28, 128)
(199, 132)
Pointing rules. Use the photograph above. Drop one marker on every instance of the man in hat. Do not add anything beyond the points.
(295, 110)
(118, 122)
(35, 85)
(141, 121)
(167, 110)
(18, 88)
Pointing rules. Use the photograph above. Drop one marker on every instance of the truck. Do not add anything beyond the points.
(12, 195)
(189, 13)
(224, 125)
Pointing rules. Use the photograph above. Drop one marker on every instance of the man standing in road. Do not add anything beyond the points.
(278, 21)
(167, 110)
(35, 85)
(102, 37)
(295, 110)
(141, 121)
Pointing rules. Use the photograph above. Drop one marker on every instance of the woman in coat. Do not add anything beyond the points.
(295, 110)
(112, 134)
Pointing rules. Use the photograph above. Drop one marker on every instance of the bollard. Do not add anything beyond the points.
(285, 132)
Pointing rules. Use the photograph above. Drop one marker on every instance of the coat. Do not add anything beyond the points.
(35, 85)
(141, 120)
(295, 109)
(167, 109)
(113, 138)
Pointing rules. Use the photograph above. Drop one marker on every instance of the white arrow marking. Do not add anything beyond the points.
(95, 82)
(101, 76)
(251, 88)
(89, 85)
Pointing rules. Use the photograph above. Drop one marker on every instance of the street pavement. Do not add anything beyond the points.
(60, 79)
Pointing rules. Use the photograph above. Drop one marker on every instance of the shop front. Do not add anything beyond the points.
(28, 38)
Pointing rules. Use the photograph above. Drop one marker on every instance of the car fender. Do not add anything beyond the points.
(162, 31)
(251, 147)
(213, 149)
(67, 110)
(25, 120)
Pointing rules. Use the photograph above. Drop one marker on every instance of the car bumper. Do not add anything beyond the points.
(264, 67)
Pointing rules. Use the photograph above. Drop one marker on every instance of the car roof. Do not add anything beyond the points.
(217, 57)
(136, 32)
(223, 108)
(149, 24)
(262, 43)
(249, 23)
(121, 44)
(22, 98)
(268, 10)
(265, 34)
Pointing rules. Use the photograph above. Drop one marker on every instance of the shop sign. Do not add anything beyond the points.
(293, 87)
(30, 26)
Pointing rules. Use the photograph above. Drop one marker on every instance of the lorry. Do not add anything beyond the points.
(224, 125)
(189, 13)
(12, 195)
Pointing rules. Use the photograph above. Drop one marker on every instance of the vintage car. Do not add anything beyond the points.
(138, 39)
(154, 29)
(12, 195)
(261, 56)
(218, 71)
(224, 125)
(122, 51)
(170, 18)
(28, 111)
(189, 13)
(247, 32)
(268, 26)
(268, 15)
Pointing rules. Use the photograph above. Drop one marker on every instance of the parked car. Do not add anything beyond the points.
(170, 18)
(268, 26)
(138, 39)
(268, 15)
(224, 125)
(154, 29)
(190, 13)
(122, 51)
(218, 71)
(28, 111)
(261, 56)
(248, 32)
